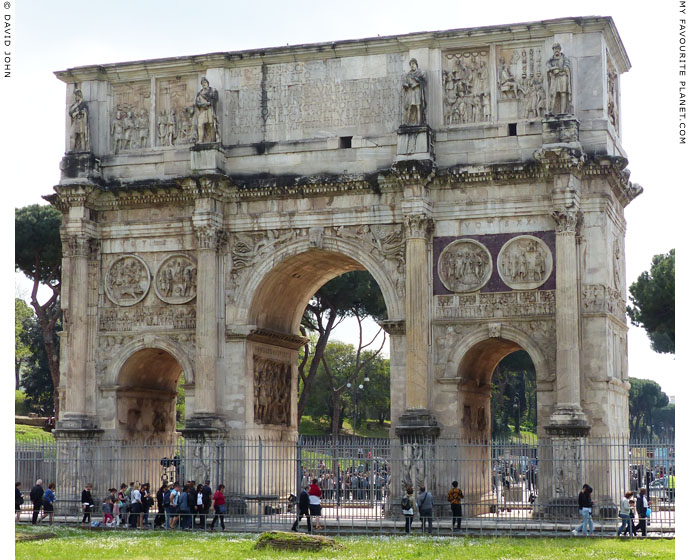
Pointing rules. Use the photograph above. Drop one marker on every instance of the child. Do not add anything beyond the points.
(107, 510)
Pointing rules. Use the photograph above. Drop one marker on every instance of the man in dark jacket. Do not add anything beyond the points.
(36, 497)
(207, 498)
(303, 509)
(641, 508)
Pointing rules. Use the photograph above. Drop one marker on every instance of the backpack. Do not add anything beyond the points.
(166, 498)
(405, 503)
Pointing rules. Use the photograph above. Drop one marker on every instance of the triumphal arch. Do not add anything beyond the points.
(477, 174)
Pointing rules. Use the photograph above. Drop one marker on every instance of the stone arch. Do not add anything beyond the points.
(146, 376)
(300, 269)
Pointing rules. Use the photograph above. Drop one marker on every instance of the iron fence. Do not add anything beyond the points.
(507, 485)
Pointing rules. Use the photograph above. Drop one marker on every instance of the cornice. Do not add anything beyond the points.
(614, 169)
(452, 38)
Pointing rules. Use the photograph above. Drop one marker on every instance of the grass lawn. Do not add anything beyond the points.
(25, 434)
(75, 544)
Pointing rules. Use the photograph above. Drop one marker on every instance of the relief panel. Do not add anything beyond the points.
(272, 394)
(466, 88)
(465, 266)
(175, 111)
(129, 119)
(525, 263)
(127, 281)
(520, 83)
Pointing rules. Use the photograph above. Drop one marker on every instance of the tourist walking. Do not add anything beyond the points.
(425, 503)
(585, 505)
(174, 505)
(303, 509)
(219, 507)
(36, 497)
(18, 499)
(455, 497)
(206, 500)
(48, 501)
(185, 511)
(624, 514)
(409, 507)
(642, 506)
(87, 505)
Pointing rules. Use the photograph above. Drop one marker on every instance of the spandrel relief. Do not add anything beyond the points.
(176, 279)
(272, 392)
(129, 122)
(175, 107)
(127, 281)
(525, 263)
(464, 266)
(520, 83)
(466, 88)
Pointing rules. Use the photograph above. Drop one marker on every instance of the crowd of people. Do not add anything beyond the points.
(182, 506)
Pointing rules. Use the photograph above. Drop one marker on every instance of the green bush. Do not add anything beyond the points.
(20, 406)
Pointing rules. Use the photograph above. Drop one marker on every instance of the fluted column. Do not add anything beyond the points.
(419, 228)
(209, 238)
(567, 412)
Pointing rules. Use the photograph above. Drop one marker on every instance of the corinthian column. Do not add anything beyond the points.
(419, 228)
(210, 237)
(567, 415)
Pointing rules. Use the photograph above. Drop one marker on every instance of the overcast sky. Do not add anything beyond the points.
(49, 36)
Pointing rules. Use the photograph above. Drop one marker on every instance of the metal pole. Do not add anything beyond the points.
(260, 478)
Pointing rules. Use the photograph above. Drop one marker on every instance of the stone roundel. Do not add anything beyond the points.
(465, 266)
(525, 263)
(175, 280)
(128, 280)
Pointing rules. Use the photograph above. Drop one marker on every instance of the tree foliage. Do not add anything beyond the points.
(650, 412)
(37, 382)
(354, 294)
(654, 303)
(23, 317)
(513, 395)
(38, 254)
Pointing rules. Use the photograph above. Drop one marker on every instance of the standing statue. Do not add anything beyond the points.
(205, 114)
(559, 76)
(79, 131)
(414, 100)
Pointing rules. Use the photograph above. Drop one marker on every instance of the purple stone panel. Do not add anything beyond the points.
(494, 243)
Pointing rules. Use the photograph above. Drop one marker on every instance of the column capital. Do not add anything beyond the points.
(210, 236)
(79, 245)
(567, 220)
(419, 226)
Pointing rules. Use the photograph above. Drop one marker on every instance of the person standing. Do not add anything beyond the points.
(18, 499)
(36, 497)
(135, 507)
(641, 506)
(455, 496)
(159, 520)
(585, 505)
(624, 514)
(303, 509)
(48, 501)
(409, 507)
(175, 505)
(425, 503)
(206, 500)
(219, 507)
(315, 502)
(87, 505)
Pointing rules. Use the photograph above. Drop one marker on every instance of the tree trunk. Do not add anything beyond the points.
(17, 367)
(335, 421)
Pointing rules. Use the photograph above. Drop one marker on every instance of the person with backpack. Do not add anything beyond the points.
(303, 509)
(36, 497)
(455, 497)
(409, 507)
(425, 503)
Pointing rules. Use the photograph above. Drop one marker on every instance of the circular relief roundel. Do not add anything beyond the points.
(127, 281)
(176, 279)
(465, 266)
(525, 263)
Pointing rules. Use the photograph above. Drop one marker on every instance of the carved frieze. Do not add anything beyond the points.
(272, 391)
(138, 318)
(466, 88)
(495, 305)
(464, 266)
(175, 280)
(600, 299)
(129, 123)
(520, 79)
(175, 108)
(525, 262)
(127, 281)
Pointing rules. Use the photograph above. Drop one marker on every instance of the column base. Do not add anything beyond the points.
(568, 421)
(415, 142)
(207, 158)
(79, 425)
(417, 423)
(201, 426)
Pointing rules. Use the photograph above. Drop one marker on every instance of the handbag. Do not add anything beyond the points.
(648, 513)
